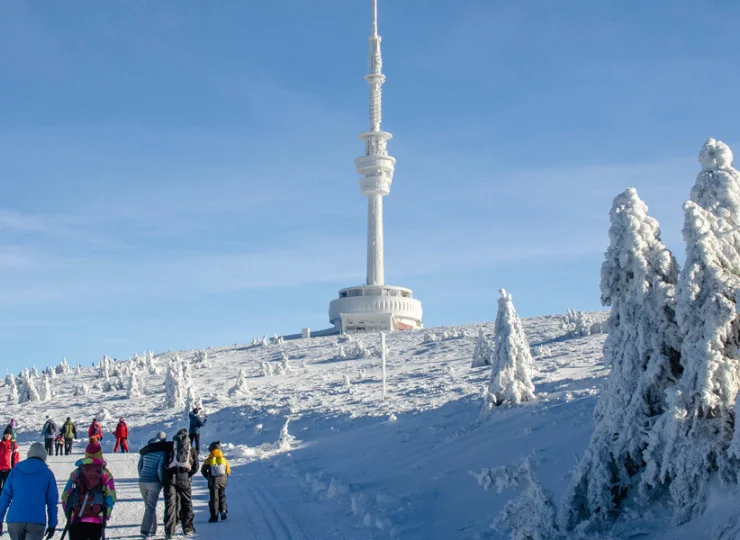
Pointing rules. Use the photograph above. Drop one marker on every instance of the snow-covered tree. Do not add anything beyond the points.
(27, 389)
(690, 445)
(133, 385)
(63, 367)
(575, 324)
(13, 393)
(46, 393)
(638, 281)
(511, 370)
(267, 370)
(482, 352)
(174, 384)
(78, 370)
(192, 400)
(240, 388)
(81, 390)
(34, 372)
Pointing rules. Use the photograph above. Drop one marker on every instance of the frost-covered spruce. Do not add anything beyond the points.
(575, 324)
(13, 393)
(133, 390)
(27, 390)
(511, 369)
(174, 384)
(63, 367)
(81, 390)
(638, 280)
(482, 352)
(240, 388)
(78, 370)
(46, 393)
(690, 445)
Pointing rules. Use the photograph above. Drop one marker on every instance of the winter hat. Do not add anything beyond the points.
(38, 451)
(8, 430)
(162, 436)
(94, 450)
(215, 445)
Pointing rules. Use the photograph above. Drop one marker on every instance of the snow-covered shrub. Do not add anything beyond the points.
(431, 337)
(482, 351)
(689, 446)
(201, 358)
(240, 388)
(63, 367)
(541, 351)
(267, 370)
(597, 327)
(286, 440)
(511, 369)
(284, 365)
(575, 324)
(78, 370)
(529, 516)
(638, 280)
(347, 384)
(133, 390)
(81, 390)
(352, 350)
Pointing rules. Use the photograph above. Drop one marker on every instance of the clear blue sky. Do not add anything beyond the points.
(180, 174)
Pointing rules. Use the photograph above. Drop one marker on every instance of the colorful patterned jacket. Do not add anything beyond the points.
(109, 488)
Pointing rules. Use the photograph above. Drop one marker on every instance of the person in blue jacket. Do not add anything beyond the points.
(151, 477)
(32, 490)
(196, 422)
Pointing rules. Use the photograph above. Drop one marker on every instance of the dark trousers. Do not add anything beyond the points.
(49, 444)
(3, 478)
(85, 531)
(178, 500)
(67, 446)
(195, 441)
(59, 449)
(217, 502)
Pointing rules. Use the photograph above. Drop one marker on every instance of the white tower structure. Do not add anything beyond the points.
(375, 306)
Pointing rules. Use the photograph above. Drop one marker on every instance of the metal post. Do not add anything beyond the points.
(383, 355)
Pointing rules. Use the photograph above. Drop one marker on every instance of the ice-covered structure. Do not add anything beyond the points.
(375, 306)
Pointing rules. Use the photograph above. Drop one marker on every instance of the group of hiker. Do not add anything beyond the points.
(29, 496)
(57, 442)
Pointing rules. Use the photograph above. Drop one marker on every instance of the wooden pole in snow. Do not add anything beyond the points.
(383, 354)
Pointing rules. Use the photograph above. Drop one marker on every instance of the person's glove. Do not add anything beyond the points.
(50, 532)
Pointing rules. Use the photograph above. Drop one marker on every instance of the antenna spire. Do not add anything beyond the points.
(375, 17)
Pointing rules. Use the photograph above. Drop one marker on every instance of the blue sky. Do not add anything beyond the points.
(179, 173)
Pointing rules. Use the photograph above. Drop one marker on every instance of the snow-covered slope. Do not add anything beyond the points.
(359, 467)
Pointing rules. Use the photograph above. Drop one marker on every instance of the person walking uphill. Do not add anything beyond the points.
(152, 462)
(70, 434)
(59, 443)
(182, 464)
(9, 456)
(95, 430)
(49, 433)
(121, 434)
(217, 471)
(196, 422)
(89, 496)
(32, 495)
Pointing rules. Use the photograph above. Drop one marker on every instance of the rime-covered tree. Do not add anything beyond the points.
(240, 388)
(13, 389)
(482, 351)
(46, 393)
(689, 446)
(27, 389)
(133, 390)
(638, 281)
(511, 369)
(174, 385)
(63, 367)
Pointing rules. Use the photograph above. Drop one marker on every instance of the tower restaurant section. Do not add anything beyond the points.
(375, 306)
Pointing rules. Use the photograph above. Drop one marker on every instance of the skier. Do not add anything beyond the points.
(151, 467)
(89, 496)
(70, 434)
(9, 456)
(33, 488)
(48, 432)
(182, 464)
(196, 422)
(59, 442)
(216, 470)
(95, 430)
(121, 434)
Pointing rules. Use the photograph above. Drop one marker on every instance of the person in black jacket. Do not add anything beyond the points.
(182, 464)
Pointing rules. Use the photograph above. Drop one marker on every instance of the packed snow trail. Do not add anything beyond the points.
(254, 512)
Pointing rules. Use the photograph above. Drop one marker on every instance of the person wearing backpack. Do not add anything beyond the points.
(89, 496)
(152, 462)
(95, 430)
(182, 464)
(13, 427)
(70, 434)
(30, 498)
(49, 432)
(9, 456)
(196, 422)
(59, 443)
(121, 435)
(217, 471)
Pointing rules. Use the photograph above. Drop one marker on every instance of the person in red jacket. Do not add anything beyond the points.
(95, 430)
(121, 434)
(9, 456)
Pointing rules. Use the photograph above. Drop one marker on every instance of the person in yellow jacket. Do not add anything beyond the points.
(217, 471)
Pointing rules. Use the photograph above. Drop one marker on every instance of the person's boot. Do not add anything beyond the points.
(223, 516)
(213, 519)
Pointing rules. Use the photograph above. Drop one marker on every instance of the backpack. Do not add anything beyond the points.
(218, 467)
(87, 499)
(95, 429)
(180, 457)
(51, 427)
